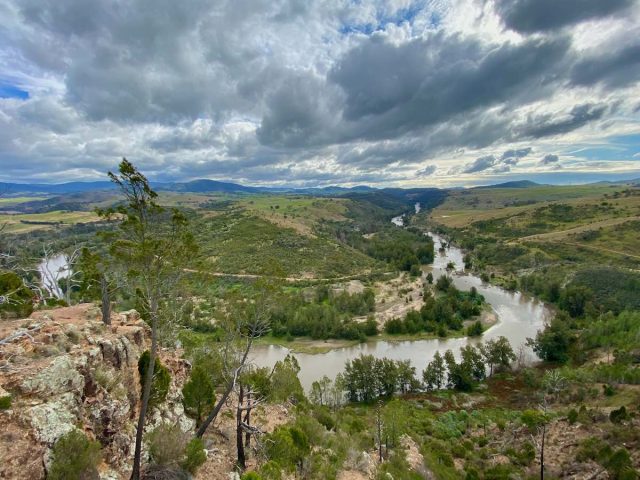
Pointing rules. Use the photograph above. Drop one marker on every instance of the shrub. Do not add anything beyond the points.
(75, 457)
(271, 471)
(572, 416)
(5, 402)
(608, 390)
(194, 455)
(619, 465)
(251, 476)
(619, 415)
(198, 394)
(475, 329)
(161, 379)
(167, 444)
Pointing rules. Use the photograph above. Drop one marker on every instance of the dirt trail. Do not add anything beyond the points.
(582, 228)
(286, 279)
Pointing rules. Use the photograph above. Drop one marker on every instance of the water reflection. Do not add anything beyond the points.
(519, 317)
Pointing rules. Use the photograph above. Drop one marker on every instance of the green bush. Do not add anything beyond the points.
(619, 415)
(251, 476)
(161, 379)
(21, 304)
(5, 402)
(271, 471)
(198, 394)
(572, 416)
(167, 445)
(75, 457)
(475, 329)
(194, 455)
(619, 465)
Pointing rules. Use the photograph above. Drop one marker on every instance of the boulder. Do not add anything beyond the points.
(53, 419)
(59, 377)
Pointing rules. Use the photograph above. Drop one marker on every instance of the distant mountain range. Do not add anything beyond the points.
(211, 186)
(195, 186)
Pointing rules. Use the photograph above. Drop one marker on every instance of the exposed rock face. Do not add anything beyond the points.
(77, 373)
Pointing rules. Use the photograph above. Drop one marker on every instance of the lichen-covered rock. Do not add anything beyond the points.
(59, 377)
(53, 419)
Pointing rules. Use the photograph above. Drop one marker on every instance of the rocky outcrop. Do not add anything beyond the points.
(74, 372)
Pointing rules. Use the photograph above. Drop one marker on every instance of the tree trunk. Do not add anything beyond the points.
(146, 393)
(247, 420)
(544, 428)
(239, 443)
(106, 301)
(379, 424)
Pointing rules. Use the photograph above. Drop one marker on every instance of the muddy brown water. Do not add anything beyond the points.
(519, 317)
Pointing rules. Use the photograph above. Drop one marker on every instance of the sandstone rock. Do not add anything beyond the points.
(59, 377)
(129, 316)
(53, 419)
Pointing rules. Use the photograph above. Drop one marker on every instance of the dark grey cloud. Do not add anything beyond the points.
(427, 171)
(546, 125)
(529, 16)
(394, 89)
(260, 91)
(613, 69)
(480, 164)
(549, 159)
(517, 153)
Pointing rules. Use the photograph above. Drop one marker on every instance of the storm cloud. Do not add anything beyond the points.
(311, 93)
(529, 16)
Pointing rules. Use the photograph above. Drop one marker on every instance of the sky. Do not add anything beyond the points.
(313, 93)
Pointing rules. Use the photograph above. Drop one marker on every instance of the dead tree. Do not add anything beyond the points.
(253, 325)
(243, 423)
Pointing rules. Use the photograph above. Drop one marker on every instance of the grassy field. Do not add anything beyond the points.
(557, 232)
(9, 201)
(239, 242)
(300, 213)
(38, 221)
(546, 214)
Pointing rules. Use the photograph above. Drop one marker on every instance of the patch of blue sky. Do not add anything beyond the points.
(620, 147)
(400, 16)
(12, 91)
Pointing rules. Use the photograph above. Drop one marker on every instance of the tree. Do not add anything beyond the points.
(97, 280)
(460, 376)
(247, 321)
(434, 376)
(161, 379)
(497, 353)
(472, 362)
(285, 383)
(320, 391)
(430, 278)
(198, 393)
(574, 298)
(152, 246)
(536, 421)
(406, 374)
(554, 342)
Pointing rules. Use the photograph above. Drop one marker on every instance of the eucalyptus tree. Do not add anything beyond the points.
(152, 246)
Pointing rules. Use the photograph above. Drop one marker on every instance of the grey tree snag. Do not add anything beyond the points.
(105, 306)
(239, 431)
(230, 386)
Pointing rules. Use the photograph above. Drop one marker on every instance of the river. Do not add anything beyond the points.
(519, 317)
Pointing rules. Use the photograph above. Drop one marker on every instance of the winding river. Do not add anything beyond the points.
(519, 317)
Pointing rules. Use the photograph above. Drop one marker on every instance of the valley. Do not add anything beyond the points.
(435, 347)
